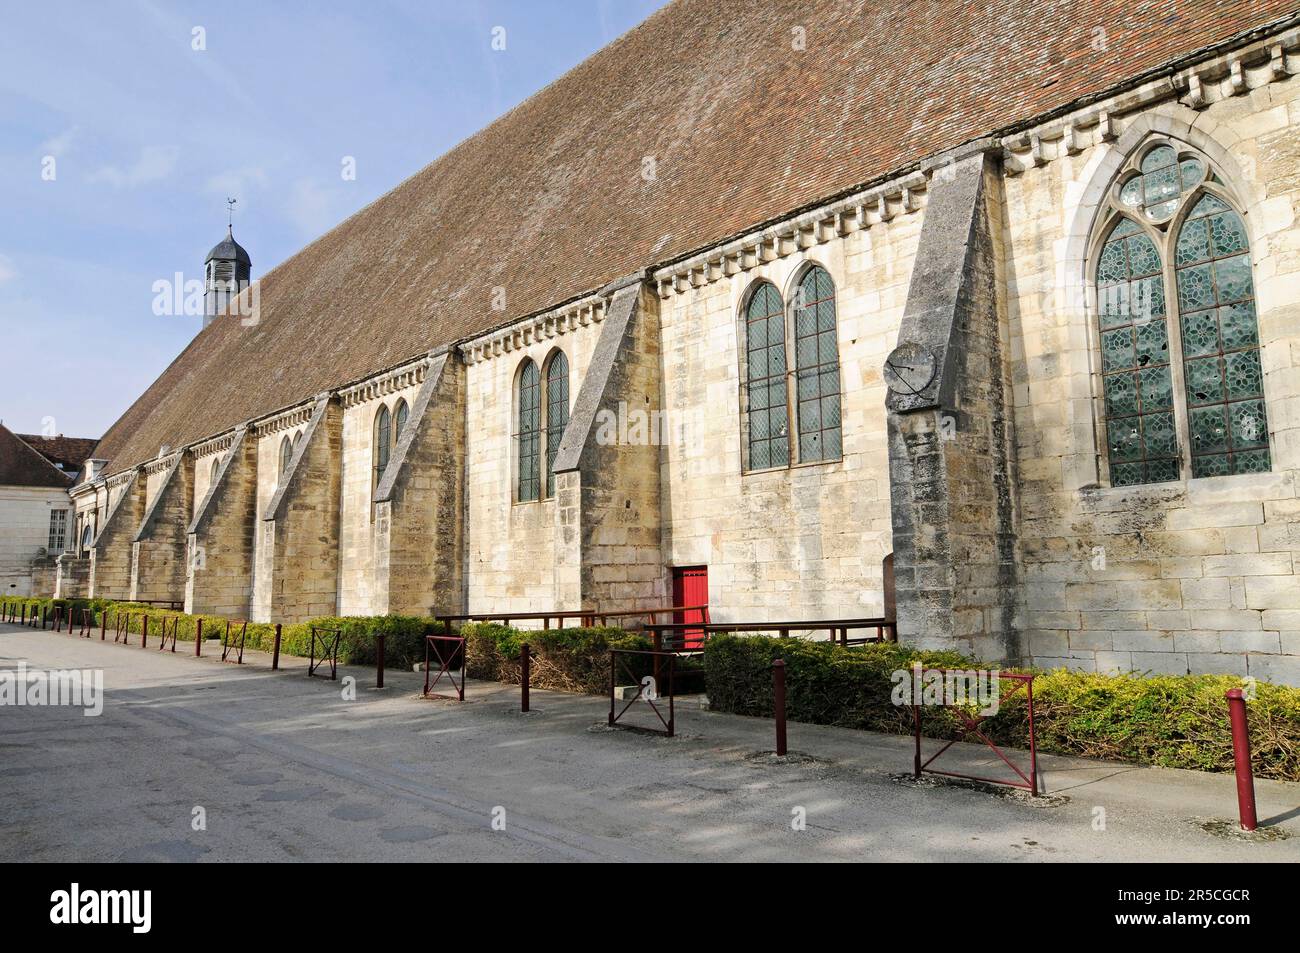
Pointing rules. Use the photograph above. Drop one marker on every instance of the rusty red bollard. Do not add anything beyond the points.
(1241, 758)
(275, 655)
(144, 630)
(525, 671)
(379, 660)
(198, 638)
(778, 704)
(103, 623)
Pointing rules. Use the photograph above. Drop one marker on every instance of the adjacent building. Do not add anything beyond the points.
(35, 511)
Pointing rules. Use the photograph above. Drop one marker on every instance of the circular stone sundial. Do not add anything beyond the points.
(909, 369)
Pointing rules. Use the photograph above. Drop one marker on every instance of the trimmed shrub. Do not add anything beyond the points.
(403, 645)
(1173, 721)
(566, 660)
(403, 638)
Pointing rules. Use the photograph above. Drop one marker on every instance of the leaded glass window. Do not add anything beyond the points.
(768, 409)
(1136, 382)
(1215, 419)
(528, 432)
(817, 363)
(1223, 374)
(383, 441)
(557, 412)
(400, 416)
(1162, 177)
(286, 455)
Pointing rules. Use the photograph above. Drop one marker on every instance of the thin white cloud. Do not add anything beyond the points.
(237, 182)
(313, 207)
(59, 144)
(155, 164)
(8, 271)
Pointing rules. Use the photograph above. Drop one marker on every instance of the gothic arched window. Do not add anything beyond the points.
(557, 412)
(817, 367)
(400, 416)
(1139, 392)
(286, 454)
(767, 411)
(528, 432)
(1223, 374)
(383, 440)
(216, 465)
(806, 337)
(1190, 402)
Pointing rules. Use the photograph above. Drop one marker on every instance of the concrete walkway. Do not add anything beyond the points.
(285, 769)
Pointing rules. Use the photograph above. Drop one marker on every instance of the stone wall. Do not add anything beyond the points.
(219, 564)
(1194, 575)
(806, 541)
(158, 557)
(25, 534)
(510, 547)
(268, 441)
(609, 551)
(419, 529)
(298, 536)
(45, 571)
(71, 577)
(358, 590)
(950, 472)
(110, 555)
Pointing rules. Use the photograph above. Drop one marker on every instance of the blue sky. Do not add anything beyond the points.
(120, 142)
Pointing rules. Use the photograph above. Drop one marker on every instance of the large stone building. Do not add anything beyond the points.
(768, 292)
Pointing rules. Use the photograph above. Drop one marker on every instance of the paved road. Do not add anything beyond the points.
(286, 769)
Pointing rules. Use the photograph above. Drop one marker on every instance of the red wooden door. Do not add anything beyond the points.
(691, 588)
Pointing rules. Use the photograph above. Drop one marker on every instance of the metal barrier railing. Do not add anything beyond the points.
(691, 636)
(450, 650)
(327, 640)
(647, 688)
(969, 725)
(651, 616)
(169, 632)
(585, 617)
(232, 641)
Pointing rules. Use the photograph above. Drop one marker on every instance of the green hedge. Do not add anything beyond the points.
(567, 660)
(575, 660)
(1170, 721)
(1174, 721)
(403, 643)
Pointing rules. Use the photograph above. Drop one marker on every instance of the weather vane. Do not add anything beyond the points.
(230, 212)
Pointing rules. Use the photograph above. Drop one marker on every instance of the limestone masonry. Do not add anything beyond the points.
(1085, 453)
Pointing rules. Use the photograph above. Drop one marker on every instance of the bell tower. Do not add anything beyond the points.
(226, 272)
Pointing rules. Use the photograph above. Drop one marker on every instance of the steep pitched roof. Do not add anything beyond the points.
(70, 453)
(549, 202)
(20, 465)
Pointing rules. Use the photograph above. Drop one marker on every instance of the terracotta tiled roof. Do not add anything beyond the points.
(68, 452)
(549, 202)
(20, 465)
